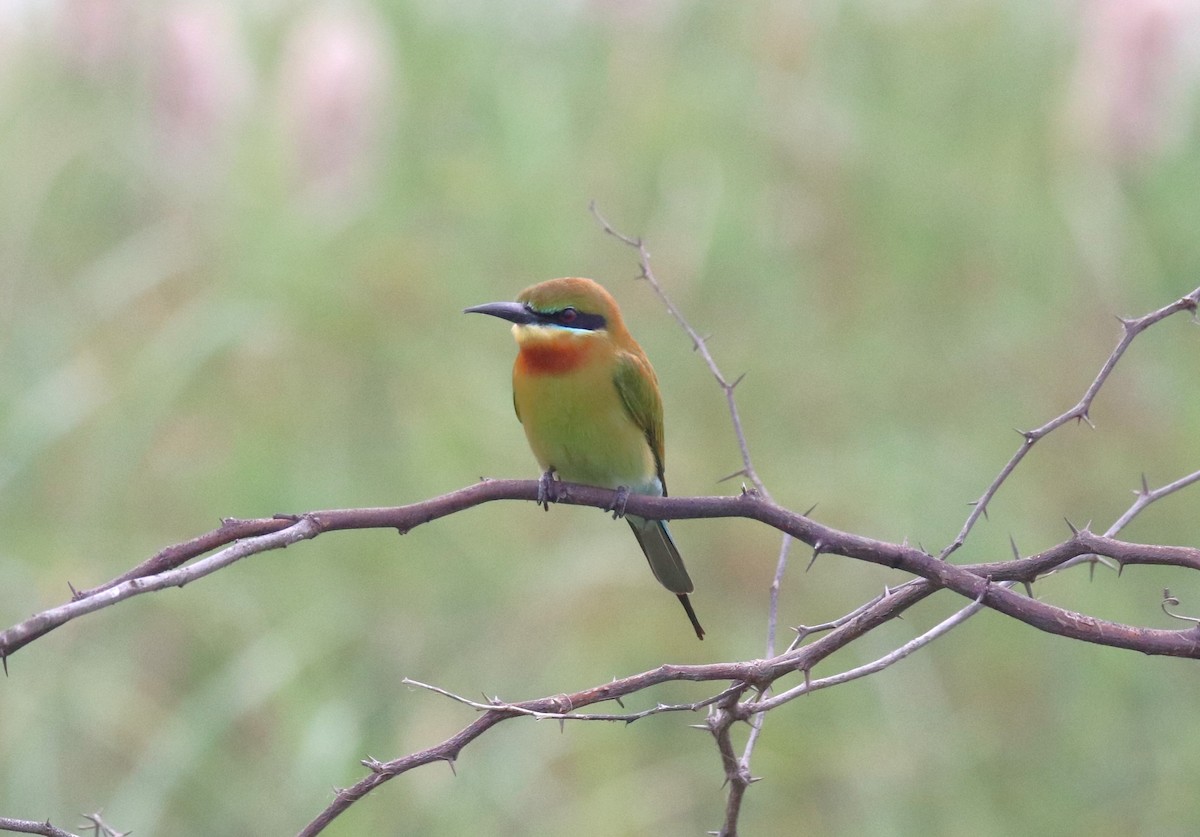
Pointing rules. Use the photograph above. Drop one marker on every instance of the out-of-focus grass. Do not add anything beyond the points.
(233, 249)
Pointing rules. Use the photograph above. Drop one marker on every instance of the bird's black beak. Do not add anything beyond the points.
(514, 312)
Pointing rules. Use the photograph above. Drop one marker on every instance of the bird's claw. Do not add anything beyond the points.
(620, 499)
(547, 490)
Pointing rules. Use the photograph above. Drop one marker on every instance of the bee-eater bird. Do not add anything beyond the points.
(588, 399)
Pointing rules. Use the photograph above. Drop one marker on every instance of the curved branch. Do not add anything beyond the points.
(972, 582)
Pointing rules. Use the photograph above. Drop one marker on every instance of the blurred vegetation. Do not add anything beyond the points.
(234, 243)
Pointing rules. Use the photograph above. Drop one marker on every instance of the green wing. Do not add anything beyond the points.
(638, 388)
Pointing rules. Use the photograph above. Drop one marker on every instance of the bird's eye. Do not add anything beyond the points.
(568, 316)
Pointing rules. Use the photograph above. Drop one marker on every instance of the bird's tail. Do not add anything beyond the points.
(655, 540)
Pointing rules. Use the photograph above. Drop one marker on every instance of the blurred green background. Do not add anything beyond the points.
(235, 240)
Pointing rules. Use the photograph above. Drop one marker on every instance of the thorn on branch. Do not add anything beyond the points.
(817, 548)
(740, 472)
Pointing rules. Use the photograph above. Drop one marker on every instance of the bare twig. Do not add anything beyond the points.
(117, 591)
(100, 828)
(1144, 497)
(1130, 329)
(33, 827)
(566, 714)
(943, 627)
(553, 706)
(737, 771)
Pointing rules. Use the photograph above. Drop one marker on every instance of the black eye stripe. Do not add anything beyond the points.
(570, 317)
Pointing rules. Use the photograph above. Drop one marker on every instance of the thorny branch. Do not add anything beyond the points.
(728, 706)
(969, 580)
(95, 824)
(33, 827)
(1130, 329)
(738, 774)
(746, 697)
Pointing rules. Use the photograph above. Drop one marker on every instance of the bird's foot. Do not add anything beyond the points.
(620, 499)
(547, 490)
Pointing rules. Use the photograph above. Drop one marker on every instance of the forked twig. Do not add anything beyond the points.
(1130, 329)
